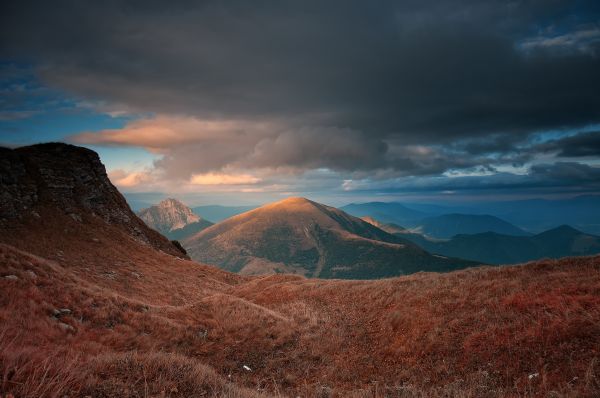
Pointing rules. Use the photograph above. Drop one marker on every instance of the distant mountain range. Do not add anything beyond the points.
(173, 219)
(448, 225)
(441, 226)
(297, 235)
(534, 215)
(494, 248)
(301, 236)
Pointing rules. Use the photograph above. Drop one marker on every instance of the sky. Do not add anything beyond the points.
(237, 102)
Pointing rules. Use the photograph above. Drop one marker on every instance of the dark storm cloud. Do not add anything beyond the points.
(556, 177)
(415, 87)
(425, 70)
(581, 145)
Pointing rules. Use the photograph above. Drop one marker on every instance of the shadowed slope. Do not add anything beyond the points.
(300, 236)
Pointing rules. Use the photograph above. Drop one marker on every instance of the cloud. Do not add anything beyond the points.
(586, 40)
(376, 92)
(424, 72)
(560, 176)
(319, 147)
(194, 145)
(163, 132)
(580, 145)
(124, 179)
(223, 179)
(566, 173)
(191, 146)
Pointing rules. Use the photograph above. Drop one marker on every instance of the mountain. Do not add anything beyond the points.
(448, 225)
(494, 248)
(390, 228)
(297, 235)
(582, 212)
(535, 215)
(218, 213)
(173, 219)
(386, 212)
(92, 306)
(57, 183)
(565, 241)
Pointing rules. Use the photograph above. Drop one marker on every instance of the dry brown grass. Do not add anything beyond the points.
(147, 324)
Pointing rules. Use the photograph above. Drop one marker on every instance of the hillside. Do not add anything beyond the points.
(173, 219)
(448, 225)
(494, 248)
(390, 228)
(299, 236)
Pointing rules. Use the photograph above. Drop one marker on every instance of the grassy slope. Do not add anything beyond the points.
(147, 324)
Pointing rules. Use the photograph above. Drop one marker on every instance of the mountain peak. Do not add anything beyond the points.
(293, 200)
(169, 215)
(564, 229)
(293, 204)
(171, 202)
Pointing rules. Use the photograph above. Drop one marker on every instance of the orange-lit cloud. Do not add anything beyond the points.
(161, 133)
(223, 179)
(124, 179)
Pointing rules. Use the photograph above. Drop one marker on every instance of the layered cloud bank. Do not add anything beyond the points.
(338, 95)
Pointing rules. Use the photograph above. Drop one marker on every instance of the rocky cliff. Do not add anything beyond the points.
(55, 179)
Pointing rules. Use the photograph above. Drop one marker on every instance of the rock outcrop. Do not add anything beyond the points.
(63, 179)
